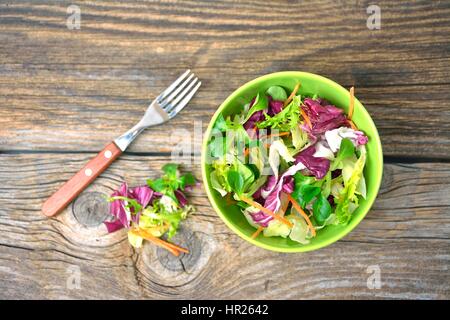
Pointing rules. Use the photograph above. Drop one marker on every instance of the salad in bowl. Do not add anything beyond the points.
(290, 162)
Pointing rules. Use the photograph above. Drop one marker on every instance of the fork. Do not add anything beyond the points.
(165, 106)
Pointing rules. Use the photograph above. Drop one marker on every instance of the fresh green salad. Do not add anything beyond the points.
(150, 211)
(292, 163)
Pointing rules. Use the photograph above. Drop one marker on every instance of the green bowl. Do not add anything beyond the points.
(337, 95)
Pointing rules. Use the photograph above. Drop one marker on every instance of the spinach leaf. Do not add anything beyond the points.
(305, 194)
(321, 209)
(235, 181)
(277, 93)
(304, 189)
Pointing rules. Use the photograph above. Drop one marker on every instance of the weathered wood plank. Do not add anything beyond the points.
(92, 83)
(406, 234)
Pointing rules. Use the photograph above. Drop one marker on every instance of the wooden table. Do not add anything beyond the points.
(65, 93)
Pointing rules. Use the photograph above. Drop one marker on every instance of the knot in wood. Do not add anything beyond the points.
(90, 209)
(185, 262)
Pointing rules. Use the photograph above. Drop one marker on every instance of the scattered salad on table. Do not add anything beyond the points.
(292, 163)
(152, 210)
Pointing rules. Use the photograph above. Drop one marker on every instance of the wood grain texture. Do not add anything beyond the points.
(93, 83)
(406, 234)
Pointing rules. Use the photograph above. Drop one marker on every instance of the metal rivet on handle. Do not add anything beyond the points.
(88, 172)
(108, 154)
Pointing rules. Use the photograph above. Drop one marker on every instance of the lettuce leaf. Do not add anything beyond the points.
(256, 158)
(253, 189)
(322, 151)
(135, 240)
(334, 137)
(217, 184)
(300, 231)
(232, 177)
(346, 150)
(286, 119)
(164, 215)
(299, 138)
(229, 139)
(276, 228)
(347, 200)
(126, 205)
(260, 103)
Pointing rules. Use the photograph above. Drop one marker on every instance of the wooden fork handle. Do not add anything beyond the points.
(72, 188)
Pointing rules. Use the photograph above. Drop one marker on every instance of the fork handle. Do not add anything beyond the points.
(72, 188)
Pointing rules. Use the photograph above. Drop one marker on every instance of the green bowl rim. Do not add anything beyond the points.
(310, 247)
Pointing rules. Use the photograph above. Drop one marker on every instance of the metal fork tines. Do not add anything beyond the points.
(165, 106)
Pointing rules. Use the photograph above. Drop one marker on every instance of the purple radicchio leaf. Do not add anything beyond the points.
(117, 207)
(316, 165)
(113, 226)
(268, 187)
(361, 139)
(275, 106)
(322, 117)
(143, 195)
(181, 198)
(273, 201)
(254, 118)
(288, 185)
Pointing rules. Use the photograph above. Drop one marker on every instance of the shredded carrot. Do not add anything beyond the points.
(354, 127)
(300, 211)
(293, 93)
(305, 116)
(281, 134)
(285, 206)
(266, 145)
(351, 105)
(173, 248)
(266, 211)
(246, 151)
(258, 231)
(170, 244)
(161, 244)
(280, 213)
